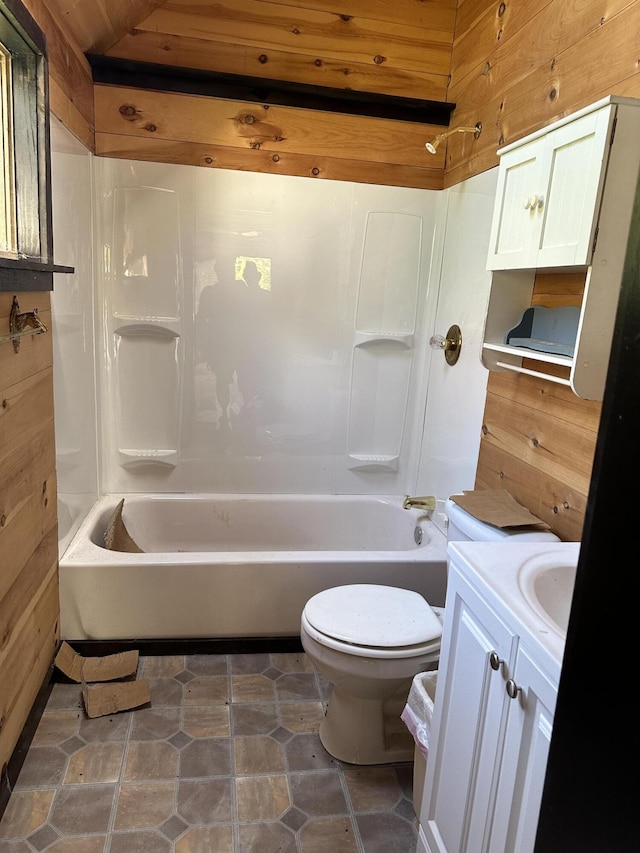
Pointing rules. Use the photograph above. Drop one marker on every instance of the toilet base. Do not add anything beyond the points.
(367, 731)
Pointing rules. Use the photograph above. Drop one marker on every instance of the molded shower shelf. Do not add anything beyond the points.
(363, 338)
(365, 462)
(147, 328)
(133, 458)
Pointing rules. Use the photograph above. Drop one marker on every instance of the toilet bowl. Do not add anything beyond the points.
(370, 641)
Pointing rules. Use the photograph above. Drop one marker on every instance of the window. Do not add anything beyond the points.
(26, 242)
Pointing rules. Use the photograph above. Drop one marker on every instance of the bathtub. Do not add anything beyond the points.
(238, 566)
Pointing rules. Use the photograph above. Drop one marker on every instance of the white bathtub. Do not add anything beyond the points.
(219, 566)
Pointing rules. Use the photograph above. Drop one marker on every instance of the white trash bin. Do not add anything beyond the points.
(417, 716)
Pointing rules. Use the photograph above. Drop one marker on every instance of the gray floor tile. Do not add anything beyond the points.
(226, 758)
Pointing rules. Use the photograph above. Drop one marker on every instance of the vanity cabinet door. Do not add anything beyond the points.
(468, 722)
(524, 758)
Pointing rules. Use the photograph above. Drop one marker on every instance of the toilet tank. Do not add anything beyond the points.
(464, 527)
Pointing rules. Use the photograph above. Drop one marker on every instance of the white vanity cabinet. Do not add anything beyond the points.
(491, 727)
(564, 200)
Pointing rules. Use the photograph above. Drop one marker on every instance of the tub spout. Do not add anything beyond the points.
(427, 502)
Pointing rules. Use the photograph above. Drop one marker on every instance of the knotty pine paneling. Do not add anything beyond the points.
(302, 29)
(28, 522)
(246, 60)
(519, 71)
(252, 160)
(95, 25)
(402, 50)
(27, 659)
(232, 132)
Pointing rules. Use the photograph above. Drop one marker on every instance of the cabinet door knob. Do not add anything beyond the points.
(534, 201)
(512, 689)
(494, 661)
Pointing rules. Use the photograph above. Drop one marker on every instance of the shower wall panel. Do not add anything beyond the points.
(384, 339)
(144, 324)
(259, 333)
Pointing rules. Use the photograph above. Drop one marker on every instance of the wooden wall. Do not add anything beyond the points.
(28, 522)
(29, 606)
(518, 65)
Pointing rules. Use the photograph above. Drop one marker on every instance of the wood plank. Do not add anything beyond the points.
(279, 130)
(208, 55)
(25, 409)
(490, 28)
(66, 111)
(559, 283)
(431, 14)
(95, 25)
(24, 670)
(556, 448)
(548, 498)
(554, 290)
(24, 529)
(220, 157)
(535, 42)
(470, 13)
(275, 27)
(26, 471)
(547, 397)
(17, 604)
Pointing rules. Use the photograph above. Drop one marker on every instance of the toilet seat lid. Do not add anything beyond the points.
(372, 615)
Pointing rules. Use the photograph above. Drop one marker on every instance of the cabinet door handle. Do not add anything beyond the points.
(534, 201)
(512, 689)
(494, 661)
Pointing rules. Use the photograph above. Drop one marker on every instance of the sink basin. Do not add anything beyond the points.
(547, 584)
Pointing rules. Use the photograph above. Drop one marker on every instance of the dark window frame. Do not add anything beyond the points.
(31, 267)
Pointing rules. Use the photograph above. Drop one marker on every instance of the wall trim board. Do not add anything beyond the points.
(214, 84)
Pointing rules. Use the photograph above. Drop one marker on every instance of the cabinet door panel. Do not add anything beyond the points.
(516, 221)
(524, 759)
(469, 719)
(573, 169)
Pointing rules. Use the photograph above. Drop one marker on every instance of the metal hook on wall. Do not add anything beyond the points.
(23, 324)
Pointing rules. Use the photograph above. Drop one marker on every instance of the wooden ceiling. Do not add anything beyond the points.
(399, 48)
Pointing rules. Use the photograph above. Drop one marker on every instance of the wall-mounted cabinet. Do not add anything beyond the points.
(563, 202)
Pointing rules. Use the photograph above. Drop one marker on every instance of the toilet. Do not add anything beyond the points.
(370, 640)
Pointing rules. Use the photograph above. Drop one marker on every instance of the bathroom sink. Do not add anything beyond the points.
(547, 585)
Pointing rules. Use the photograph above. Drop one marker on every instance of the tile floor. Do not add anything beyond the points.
(225, 759)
